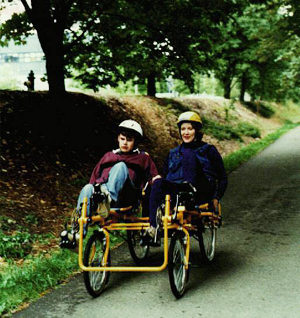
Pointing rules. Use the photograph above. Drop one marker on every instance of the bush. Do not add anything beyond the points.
(249, 130)
(219, 131)
(227, 131)
(17, 245)
(262, 108)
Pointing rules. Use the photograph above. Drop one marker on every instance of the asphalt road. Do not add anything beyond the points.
(256, 271)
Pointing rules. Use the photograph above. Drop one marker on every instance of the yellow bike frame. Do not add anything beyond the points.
(183, 223)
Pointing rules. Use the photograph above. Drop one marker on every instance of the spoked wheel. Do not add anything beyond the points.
(178, 274)
(207, 240)
(138, 252)
(94, 257)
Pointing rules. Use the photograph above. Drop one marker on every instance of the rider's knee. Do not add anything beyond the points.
(158, 183)
(88, 188)
(119, 168)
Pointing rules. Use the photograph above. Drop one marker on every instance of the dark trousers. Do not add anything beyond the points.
(161, 187)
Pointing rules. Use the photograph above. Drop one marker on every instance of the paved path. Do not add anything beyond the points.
(256, 272)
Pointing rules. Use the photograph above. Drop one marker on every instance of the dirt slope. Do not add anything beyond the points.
(49, 147)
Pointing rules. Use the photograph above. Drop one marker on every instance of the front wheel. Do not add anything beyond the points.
(138, 252)
(207, 240)
(94, 257)
(178, 273)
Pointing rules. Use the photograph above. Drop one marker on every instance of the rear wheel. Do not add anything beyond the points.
(94, 257)
(178, 273)
(138, 252)
(207, 240)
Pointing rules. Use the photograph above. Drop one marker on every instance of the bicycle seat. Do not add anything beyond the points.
(187, 187)
(186, 196)
(128, 209)
(125, 209)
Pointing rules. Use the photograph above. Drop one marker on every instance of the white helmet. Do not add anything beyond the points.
(132, 125)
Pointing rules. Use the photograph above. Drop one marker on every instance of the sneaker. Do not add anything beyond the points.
(98, 195)
(150, 237)
(69, 240)
(104, 206)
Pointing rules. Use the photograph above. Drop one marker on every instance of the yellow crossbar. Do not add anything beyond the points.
(83, 219)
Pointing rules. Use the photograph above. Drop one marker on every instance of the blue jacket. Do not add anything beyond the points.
(210, 170)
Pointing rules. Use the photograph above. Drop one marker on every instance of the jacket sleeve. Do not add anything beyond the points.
(152, 170)
(165, 168)
(222, 181)
(95, 177)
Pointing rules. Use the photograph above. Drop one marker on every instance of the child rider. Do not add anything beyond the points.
(120, 175)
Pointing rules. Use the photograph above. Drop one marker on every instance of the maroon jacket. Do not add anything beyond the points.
(140, 166)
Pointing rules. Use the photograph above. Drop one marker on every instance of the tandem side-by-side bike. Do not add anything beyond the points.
(180, 223)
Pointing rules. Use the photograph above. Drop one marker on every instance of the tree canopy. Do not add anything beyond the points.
(252, 43)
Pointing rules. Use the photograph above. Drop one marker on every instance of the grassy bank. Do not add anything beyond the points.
(233, 160)
(25, 283)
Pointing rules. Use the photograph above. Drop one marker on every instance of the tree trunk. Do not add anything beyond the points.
(151, 89)
(50, 32)
(243, 87)
(227, 87)
(55, 68)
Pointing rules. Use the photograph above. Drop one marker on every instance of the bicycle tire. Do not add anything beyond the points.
(93, 256)
(138, 252)
(207, 234)
(178, 274)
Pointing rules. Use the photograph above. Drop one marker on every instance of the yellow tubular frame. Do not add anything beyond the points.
(124, 226)
(141, 223)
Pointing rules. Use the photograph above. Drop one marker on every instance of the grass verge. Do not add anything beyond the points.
(26, 283)
(19, 284)
(233, 160)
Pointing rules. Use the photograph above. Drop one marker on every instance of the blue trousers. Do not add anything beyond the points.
(118, 180)
(160, 188)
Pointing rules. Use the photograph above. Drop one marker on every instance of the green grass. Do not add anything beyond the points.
(19, 284)
(16, 241)
(233, 160)
(230, 131)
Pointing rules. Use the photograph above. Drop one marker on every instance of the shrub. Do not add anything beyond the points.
(249, 130)
(16, 245)
(227, 131)
(262, 108)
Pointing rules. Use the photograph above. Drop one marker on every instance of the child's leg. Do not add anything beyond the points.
(87, 191)
(117, 178)
(69, 238)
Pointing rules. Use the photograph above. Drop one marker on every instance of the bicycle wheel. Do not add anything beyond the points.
(207, 240)
(178, 274)
(138, 253)
(93, 257)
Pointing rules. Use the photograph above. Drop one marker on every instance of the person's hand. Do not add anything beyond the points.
(215, 204)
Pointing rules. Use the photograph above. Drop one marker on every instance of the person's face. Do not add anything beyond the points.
(187, 132)
(126, 144)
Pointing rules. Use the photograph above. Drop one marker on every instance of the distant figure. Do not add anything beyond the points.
(30, 83)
